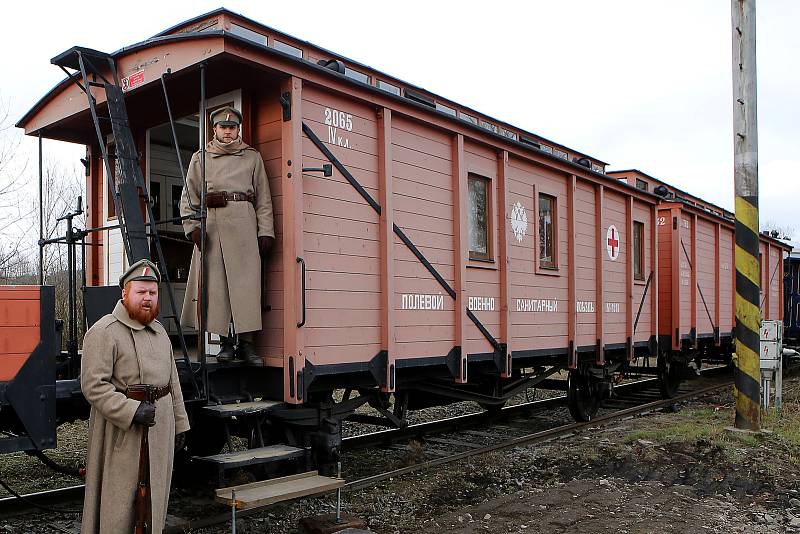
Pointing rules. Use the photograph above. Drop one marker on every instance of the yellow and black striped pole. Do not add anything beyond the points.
(747, 381)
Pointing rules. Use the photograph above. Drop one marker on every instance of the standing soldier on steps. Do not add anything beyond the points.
(239, 231)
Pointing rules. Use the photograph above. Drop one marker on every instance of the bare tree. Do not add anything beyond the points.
(12, 171)
(786, 231)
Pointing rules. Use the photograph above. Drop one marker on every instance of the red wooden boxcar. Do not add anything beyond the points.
(447, 256)
(697, 272)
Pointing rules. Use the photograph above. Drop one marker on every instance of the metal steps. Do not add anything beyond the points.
(251, 416)
(260, 455)
(241, 409)
(266, 492)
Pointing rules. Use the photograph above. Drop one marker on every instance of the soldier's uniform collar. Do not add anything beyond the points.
(121, 315)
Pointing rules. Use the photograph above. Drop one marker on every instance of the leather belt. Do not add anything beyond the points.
(146, 392)
(218, 199)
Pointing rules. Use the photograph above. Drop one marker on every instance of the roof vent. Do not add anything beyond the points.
(584, 162)
(333, 64)
(661, 191)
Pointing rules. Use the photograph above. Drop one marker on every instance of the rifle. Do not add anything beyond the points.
(142, 504)
(264, 292)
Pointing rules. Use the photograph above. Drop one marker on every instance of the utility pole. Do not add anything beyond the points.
(747, 378)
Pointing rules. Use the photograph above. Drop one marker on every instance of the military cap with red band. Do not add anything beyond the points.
(143, 269)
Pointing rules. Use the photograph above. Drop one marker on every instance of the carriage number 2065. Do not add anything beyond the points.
(339, 119)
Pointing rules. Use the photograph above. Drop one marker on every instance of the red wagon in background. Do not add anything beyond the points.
(697, 273)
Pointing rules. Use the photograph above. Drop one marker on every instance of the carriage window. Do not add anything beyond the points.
(287, 49)
(248, 34)
(360, 76)
(478, 217)
(638, 250)
(389, 88)
(547, 217)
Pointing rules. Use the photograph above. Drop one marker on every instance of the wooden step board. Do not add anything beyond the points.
(266, 492)
(261, 455)
(240, 408)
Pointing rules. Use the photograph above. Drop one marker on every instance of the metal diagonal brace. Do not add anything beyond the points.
(398, 231)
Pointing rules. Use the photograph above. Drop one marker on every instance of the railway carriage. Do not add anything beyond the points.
(697, 273)
(426, 253)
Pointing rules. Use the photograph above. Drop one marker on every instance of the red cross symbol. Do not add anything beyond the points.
(613, 242)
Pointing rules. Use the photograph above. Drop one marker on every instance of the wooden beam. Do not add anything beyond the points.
(717, 278)
(677, 254)
(572, 311)
(502, 257)
(693, 281)
(387, 244)
(599, 314)
(292, 207)
(629, 276)
(460, 251)
(653, 294)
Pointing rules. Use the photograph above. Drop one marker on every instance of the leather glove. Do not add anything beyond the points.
(195, 237)
(145, 414)
(264, 244)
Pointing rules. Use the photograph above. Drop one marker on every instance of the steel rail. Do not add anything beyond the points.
(536, 437)
(388, 436)
(13, 505)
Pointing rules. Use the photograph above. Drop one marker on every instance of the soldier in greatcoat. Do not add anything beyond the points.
(239, 231)
(125, 348)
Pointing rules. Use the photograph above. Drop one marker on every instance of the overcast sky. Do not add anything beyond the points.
(638, 84)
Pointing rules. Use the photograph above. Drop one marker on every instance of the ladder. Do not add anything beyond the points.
(128, 190)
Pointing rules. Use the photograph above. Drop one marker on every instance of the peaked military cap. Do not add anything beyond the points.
(226, 116)
(143, 269)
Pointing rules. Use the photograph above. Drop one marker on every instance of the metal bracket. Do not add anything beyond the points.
(326, 170)
(453, 359)
(286, 103)
(377, 367)
(500, 357)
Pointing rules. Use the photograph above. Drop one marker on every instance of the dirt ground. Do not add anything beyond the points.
(660, 473)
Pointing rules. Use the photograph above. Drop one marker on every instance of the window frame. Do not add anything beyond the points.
(640, 256)
(475, 255)
(554, 268)
(642, 185)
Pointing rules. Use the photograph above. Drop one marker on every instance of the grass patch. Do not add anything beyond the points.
(689, 426)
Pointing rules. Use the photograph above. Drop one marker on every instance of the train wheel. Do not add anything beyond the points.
(670, 374)
(582, 399)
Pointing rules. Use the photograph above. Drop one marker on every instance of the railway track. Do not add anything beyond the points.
(442, 441)
(457, 434)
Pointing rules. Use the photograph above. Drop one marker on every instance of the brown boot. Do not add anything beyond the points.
(227, 353)
(247, 351)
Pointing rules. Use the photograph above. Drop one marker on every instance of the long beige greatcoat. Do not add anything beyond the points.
(233, 264)
(117, 352)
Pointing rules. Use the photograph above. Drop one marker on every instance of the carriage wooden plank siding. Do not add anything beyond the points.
(552, 266)
(697, 276)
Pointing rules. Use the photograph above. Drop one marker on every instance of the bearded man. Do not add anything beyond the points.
(125, 348)
(239, 232)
